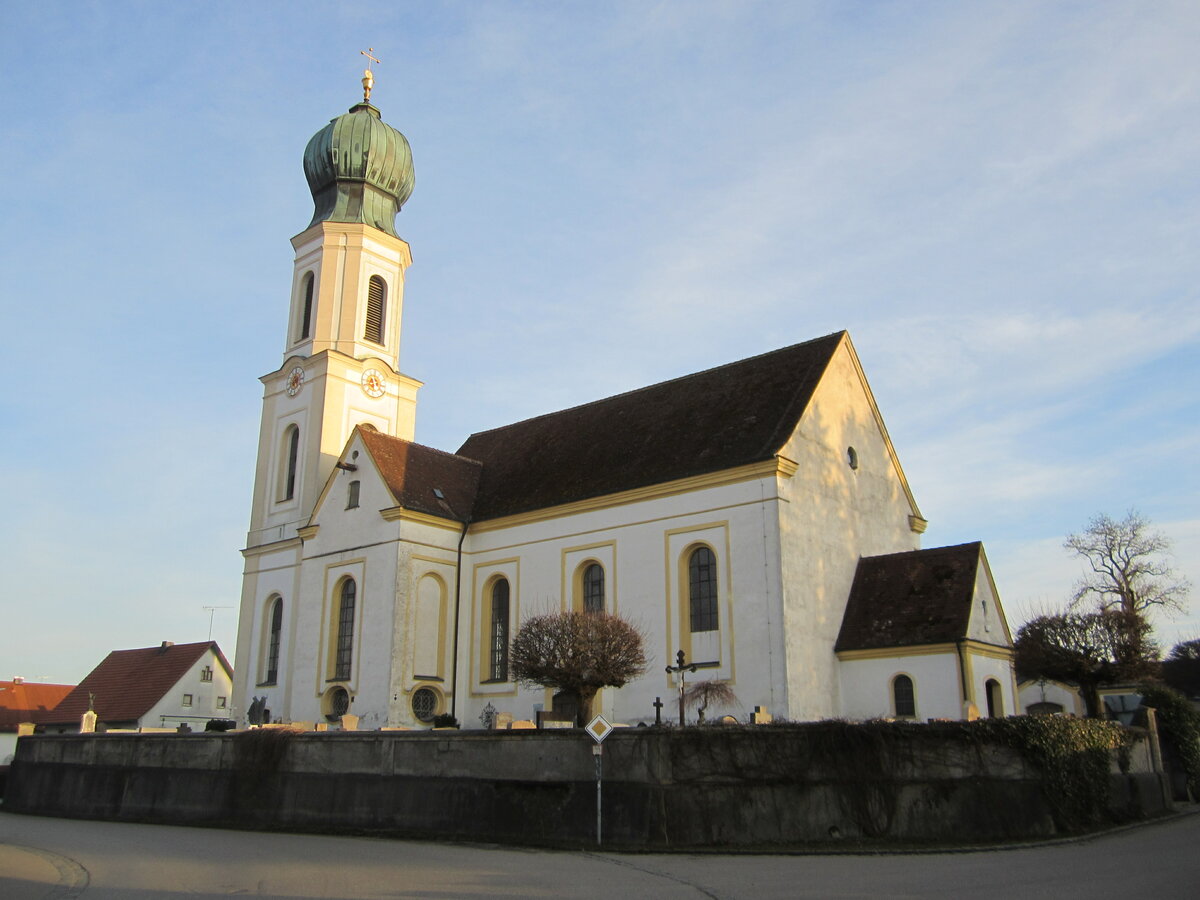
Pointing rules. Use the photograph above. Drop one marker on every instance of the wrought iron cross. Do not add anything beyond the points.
(683, 666)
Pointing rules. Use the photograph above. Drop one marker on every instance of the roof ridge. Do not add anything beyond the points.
(392, 437)
(657, 384)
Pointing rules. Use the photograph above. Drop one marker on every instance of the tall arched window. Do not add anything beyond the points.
(345, 631)
(376, 309)
(498, 654)
(306, 313)
(593, 588)
(904, 698)
(291, 450)
(274, 634)
(702, 589)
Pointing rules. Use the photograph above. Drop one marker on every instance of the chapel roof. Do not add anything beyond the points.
(739, 413)
(22, 701)
(413, 472)
(128, 683)
(909, 599)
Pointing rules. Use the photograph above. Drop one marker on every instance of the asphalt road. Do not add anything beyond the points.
(64, 858)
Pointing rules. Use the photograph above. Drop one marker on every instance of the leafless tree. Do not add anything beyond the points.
(1130, 567)
(579, 652)
(702, 694)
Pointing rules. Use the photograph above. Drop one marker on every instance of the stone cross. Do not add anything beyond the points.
(658, 705)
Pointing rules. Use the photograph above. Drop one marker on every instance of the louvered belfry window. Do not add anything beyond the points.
(306, 320)
(376, 308)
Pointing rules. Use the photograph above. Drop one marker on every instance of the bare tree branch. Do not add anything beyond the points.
(1129, 570)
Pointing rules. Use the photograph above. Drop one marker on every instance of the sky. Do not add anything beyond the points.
(1000, 201)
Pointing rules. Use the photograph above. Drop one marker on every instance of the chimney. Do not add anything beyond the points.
(17, 679)
(166, 645)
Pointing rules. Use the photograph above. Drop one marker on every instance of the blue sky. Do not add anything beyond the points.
(999, 200)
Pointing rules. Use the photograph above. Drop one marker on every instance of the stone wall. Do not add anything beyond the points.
(722, 787)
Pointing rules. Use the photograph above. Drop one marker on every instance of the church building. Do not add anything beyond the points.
(754, 516)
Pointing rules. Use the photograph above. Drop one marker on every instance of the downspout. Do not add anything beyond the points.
(962, 675)
(457, 604)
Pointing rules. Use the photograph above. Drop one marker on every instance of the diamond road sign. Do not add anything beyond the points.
(598, 728)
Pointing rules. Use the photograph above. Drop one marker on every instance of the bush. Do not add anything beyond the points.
(1179, 723)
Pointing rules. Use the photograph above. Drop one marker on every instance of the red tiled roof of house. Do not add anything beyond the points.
(23, 701)
(128, 683)
(913, 598)
(413, 472)
(718, 419)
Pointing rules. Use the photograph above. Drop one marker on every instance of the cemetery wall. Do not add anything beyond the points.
(670, 788)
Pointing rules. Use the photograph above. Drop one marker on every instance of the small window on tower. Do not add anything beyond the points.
(376, 310)
(352, 496)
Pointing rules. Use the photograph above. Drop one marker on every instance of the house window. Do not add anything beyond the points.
(220, 703)
(376, 309)
(187, 700)
(291, 443)
(995, 700)
(498, 655)
(274, 635)
(306, 316)
(702, 589)
(352, 495)
(593, 588)
(206, 673)
(904, 700)
(345, 631)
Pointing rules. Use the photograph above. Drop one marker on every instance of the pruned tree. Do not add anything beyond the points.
(1181, 668)
(700, 695)
(580, 652)
(1130, 566)
(1088, 649)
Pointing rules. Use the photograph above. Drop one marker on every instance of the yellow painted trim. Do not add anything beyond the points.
(989, 650)
(749, 472)
(917, 525)
(885, 652)
(677, 596)
(608, 529)
(399, 513)
(480, 607)
(328, 636)
(273, 547)
(787, 467)
(308, 532)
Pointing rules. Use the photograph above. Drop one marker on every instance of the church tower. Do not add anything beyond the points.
(339, 370)
(343, 330)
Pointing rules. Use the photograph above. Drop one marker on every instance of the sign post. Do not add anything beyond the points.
(599, 729)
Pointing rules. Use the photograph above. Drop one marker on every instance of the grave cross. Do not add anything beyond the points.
(658, 705)
(679, 669)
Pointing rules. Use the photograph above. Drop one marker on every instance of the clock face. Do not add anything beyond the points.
(373, 384)
(294, 381)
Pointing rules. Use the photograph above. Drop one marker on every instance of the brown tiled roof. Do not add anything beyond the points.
(714, 420)
(907, 599)
(413, 472)
(22, 701)
(128, 683)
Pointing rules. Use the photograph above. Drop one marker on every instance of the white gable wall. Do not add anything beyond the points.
(831, 515)
(207, 697)
(866, 683)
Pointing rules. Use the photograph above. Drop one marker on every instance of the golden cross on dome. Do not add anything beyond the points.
(368, 79)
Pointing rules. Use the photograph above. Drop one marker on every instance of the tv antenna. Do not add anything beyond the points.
(211, 612)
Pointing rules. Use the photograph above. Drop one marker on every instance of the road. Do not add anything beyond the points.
(64, 858)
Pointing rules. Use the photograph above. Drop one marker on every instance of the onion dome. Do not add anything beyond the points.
(359, 169)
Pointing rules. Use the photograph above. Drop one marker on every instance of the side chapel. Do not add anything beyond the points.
(754, 515)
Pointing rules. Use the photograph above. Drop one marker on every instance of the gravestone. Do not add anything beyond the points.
(565, 705)
(760, 716)
(349, 722)
(87, 724)
(503, 721)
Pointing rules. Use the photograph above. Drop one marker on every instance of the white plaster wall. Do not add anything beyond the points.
(866, 686)
(644, 541)
(831, 515)
(1053, 692)
(988, 667)
(170, 711)
(267, 574)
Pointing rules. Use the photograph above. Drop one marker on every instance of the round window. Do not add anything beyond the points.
(339, 704)
(424, 704)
